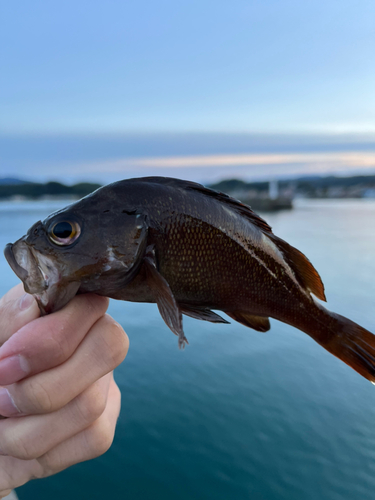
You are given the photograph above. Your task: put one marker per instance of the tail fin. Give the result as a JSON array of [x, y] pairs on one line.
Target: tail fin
[[349, 342]]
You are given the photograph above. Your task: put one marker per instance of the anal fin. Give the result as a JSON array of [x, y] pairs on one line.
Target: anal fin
[[201, 313], [164, 298], [258, 323]]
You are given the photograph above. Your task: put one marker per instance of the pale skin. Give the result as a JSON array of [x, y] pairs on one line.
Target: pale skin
[[58, 371]]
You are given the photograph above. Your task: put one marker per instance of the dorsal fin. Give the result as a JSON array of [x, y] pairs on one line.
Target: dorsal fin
[[239, 207], [236, 205], [305, 273]]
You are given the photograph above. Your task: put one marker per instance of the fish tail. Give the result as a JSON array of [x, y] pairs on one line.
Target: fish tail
[[347, 341]]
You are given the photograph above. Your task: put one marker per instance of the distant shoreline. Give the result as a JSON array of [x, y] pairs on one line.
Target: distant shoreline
[[54, 190], [359, 186], [307, 187]]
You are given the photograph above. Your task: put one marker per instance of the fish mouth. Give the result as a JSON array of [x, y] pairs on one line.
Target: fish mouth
[[40, 276], [16, 268], [24, 264]]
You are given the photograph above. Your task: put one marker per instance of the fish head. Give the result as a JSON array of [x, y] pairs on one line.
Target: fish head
[[83, 248]]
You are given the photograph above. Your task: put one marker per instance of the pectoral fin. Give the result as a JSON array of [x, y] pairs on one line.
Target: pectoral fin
[[203, 314], [164, 298], [259, 323]]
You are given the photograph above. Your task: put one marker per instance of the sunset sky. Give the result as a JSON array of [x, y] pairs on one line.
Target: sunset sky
[[99, 75]]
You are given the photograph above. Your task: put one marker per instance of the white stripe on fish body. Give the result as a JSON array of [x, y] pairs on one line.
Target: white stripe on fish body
[[256, 237], [279, 258]]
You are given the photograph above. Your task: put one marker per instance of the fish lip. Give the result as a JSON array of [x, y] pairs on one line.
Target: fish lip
[[16, 268], [32, 277]]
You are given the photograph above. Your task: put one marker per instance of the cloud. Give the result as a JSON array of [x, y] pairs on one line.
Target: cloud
[[211, 168], [351, 159], [322, 162]]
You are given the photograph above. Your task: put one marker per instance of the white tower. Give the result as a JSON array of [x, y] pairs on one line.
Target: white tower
[[273, 190]]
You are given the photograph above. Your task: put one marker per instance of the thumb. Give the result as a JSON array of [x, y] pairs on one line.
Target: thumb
[[17, 308]]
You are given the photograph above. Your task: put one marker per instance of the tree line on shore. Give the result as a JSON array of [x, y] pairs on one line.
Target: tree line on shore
[[308, 186], [37, 190]]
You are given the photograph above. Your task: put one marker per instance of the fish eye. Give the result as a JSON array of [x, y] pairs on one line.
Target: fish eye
[[64, 232]]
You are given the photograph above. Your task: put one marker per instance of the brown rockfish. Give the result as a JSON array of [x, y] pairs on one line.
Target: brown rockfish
[[190, 250]]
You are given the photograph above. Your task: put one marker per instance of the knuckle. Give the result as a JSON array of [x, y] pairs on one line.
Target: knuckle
[[116, 392], [59, 349], [52, 462], [101, 437], [117, 343], [91, 404]]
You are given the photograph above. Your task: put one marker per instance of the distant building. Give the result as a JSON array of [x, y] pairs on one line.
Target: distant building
[[273, 191]]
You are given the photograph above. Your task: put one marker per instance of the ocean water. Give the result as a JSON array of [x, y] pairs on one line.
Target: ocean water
[[238, 414]]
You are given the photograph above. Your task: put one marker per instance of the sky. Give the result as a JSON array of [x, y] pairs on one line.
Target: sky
[[87, 88]]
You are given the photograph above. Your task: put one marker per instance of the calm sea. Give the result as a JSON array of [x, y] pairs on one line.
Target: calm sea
[[239, 414]]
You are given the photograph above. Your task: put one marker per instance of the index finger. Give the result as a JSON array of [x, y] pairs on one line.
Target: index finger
[[48, 341], [17, 308]]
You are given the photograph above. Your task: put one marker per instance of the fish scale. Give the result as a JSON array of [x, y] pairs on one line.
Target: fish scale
[[204, 253]]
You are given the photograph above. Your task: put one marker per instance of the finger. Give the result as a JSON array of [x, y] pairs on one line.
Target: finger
[[19, 437], [15, 472], [103, 348], [17, 308], [88, 444], [48, 341]]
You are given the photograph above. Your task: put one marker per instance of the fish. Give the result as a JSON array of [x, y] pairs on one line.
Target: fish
[[192, 251]]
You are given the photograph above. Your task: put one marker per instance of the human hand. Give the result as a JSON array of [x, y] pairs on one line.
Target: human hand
[[56, 385]]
